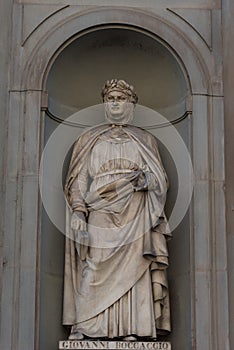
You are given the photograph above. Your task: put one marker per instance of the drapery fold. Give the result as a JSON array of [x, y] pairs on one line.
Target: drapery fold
[[127, 234]]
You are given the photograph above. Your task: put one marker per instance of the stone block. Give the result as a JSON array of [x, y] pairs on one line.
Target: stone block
[[113, 345]]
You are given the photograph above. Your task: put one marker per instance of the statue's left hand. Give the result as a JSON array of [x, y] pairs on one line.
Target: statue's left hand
[[146, 181], [141, 183]]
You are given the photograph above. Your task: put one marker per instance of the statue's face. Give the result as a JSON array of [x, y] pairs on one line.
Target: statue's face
[[116, 104]]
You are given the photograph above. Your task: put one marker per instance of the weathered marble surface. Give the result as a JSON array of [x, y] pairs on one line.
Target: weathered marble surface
[[116, 245]]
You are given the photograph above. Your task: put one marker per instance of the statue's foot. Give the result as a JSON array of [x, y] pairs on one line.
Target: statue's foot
[[76, 336], [130, 338]]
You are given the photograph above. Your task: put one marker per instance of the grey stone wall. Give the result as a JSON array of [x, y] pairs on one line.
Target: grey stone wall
[[5, 259], [228, 54], [33, 33]]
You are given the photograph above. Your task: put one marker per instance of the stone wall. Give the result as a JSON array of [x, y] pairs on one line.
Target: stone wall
[[33, 34], [228, 54]]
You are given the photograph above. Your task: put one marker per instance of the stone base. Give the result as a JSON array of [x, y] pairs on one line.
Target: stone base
[[115, 345]]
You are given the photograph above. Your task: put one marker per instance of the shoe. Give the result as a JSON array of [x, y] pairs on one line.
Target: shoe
[[130, 338], [76, 336]]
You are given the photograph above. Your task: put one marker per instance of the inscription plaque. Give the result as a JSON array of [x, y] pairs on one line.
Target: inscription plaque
[[88, 345]]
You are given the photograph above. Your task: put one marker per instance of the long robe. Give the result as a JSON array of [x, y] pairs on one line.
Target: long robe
[[120, 287]]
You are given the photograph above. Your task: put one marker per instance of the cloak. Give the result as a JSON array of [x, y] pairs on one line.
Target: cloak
[[136, 246]]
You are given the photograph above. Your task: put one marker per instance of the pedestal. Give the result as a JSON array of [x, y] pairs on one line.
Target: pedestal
[[115, 345]]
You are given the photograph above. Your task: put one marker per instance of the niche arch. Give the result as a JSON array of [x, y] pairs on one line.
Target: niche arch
[[40, 48], [73, 84]]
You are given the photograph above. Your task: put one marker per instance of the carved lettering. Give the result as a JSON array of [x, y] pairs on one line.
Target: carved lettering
[[113, 345]]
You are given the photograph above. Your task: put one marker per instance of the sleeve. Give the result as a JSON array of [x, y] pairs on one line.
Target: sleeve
[[78, 191]]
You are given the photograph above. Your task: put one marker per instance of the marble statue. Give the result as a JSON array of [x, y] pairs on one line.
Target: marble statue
[[115, 283]]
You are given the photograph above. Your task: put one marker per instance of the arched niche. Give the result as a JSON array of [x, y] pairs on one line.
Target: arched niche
[[73, 84], [208, 282]]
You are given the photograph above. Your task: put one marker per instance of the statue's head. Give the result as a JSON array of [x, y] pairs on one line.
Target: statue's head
[[119, 98], [120, 86]]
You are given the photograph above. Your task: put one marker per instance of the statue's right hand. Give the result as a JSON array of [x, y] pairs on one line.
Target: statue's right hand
[[78, 221], [79, 226]]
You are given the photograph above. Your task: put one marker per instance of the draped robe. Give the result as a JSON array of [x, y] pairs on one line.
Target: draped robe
[[120, 287]]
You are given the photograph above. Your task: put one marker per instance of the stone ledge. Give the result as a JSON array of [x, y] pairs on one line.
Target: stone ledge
[[121, 345]]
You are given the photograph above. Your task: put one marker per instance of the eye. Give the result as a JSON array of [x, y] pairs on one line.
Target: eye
[[110, 99], [123, 98]]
